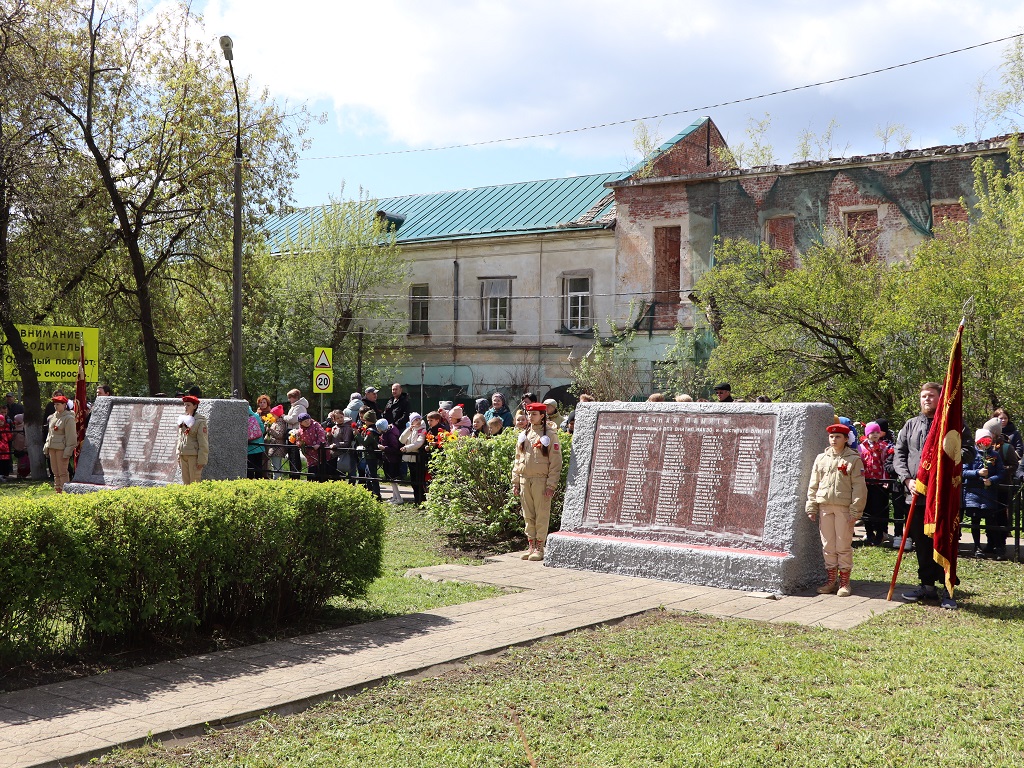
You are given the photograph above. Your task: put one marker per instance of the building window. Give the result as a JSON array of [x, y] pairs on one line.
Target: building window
[[667, 259], [576, 314], [419, 310], [780, 234], [862, 226], [496, 304]]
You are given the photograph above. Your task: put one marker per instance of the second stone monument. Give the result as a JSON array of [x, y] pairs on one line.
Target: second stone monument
[[704, 493]]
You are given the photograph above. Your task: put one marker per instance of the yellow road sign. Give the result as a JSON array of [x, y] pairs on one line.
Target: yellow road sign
[[55, 353], [322, 357], [323, 381]]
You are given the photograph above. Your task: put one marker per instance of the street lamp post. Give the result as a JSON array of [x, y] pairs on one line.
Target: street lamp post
[[237, 366]]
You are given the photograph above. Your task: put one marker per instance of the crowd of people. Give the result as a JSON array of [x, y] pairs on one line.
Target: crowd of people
[[374, 442], [865, 476]]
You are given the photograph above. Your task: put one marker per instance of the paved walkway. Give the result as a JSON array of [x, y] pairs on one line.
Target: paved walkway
[[66, 723]]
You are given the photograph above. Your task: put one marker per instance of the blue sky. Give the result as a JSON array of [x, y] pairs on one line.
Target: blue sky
[[397, 75]]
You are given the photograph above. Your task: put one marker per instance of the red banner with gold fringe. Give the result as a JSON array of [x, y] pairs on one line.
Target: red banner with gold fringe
[[939, 475]]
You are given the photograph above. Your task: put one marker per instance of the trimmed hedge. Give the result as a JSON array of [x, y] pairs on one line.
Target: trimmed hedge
[[82, 570], [471, 494]]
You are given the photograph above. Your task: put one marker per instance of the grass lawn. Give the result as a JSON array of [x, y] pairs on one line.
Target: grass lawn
[[917, 686], [412, 542]]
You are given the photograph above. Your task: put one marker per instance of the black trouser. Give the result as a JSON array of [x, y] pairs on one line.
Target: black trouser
[[371, 481], [255, 462], [928, 571], [294, 460], [418, 477], [899, 514], [876, 513]]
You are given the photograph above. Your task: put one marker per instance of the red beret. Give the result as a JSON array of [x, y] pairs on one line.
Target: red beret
[[838, 429], [190, 399], [536, 407], [59, 399]]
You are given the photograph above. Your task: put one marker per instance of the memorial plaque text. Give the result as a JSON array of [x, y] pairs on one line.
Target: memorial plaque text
[[680, 476]]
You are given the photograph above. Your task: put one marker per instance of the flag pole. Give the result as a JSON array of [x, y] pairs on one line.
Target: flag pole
[[903, 543]]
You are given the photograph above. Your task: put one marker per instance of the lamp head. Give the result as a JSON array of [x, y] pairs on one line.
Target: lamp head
[[227, 46]]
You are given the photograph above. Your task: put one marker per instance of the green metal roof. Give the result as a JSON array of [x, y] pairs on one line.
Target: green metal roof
[[577, 202]]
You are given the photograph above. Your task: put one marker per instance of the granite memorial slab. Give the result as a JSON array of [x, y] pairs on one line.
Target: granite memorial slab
[[703, 493], [131, 442]]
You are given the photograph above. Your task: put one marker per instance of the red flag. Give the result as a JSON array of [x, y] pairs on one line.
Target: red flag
[[80, 398], [938, 477]]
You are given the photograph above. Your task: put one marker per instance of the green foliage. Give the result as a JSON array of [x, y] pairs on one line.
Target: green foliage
[[84, 569], [609, 371], [471, 491], [683, 370], [802, 334], [755, 150]]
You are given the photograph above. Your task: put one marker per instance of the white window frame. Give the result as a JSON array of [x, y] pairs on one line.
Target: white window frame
[[582, 324], [495, 304], [419, 310]]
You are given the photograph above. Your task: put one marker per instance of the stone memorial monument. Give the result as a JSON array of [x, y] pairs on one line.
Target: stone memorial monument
[[131, 441], [704, 493]]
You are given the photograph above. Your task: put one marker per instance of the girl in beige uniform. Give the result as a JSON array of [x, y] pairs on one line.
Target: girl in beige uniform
[[836, 497], [193, 441], [536, 471], [61, 441]]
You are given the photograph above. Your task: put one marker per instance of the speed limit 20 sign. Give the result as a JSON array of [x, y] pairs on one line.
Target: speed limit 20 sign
[[323, 381]]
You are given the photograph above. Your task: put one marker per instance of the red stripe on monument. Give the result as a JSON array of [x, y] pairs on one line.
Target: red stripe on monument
[[676, 545]]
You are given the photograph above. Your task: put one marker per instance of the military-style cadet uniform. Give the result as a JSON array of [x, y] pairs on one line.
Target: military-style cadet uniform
[[536, 468], [193, 447], [836, 497], [61, 441]]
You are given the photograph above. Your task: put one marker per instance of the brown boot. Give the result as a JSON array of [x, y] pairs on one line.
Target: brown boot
[[538, 552], [830, 586], [844, 584], [528, 553]]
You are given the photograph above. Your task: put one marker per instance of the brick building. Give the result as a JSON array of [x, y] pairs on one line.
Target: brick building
[[509, 282]]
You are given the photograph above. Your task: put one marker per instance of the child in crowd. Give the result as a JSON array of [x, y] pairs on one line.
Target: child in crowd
[[277, 435], [495, 425], [521, 422], [366, 439], [479, 426], [461, 425], [981, 496], [836, 497], [874, 451]]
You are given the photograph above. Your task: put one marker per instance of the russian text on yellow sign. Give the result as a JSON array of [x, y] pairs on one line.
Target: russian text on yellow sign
[[54, 351], [323, 381], [323, 357]]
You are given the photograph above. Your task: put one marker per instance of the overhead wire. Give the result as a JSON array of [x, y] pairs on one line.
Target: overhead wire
[[689, 110]]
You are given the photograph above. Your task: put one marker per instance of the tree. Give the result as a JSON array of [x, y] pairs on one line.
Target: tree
[[609, 371], [819, 146], [48, 208], [755, 150], [800, 334], [154, 112], [646, 141], [344, 268]]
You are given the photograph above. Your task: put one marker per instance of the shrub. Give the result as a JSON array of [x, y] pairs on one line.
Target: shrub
[[471, 493], [82, 570]]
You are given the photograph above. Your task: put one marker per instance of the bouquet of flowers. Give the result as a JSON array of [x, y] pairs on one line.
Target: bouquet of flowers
[[293, 436], [269, 418]]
